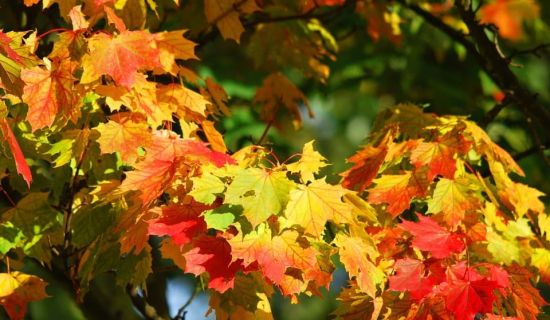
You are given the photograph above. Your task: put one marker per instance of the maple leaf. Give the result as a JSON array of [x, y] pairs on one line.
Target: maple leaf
[[430, 236], [309, 164], [170, 250], [114, 19], [72, 145], [258, 247], [276, 92], [467, 298], [206, 187], [357, 256], [311, 206], [509, 15], [247, 300], [260, 192], [17, 290], [20, 162], [354, 304], [276, 255], [172, 45], [517, 196], [120, 56], [453, 199], [218, 95], [483, 145], [439, 155], [398, 190], [78, 20], [302, 46], [150, 177], [225, 14], [124, 133], [527, 300], [182, 100], [409, 276], [163, 157], [156, 171], [213, 136], [49, 92], [182, 222], [541, 260], [5, 41], [213, 255], [142, 98], [367, 162], [380, 21]]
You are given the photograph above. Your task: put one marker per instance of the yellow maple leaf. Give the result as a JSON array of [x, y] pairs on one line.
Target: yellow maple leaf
[[541, 260], [311, 206], [124, 134], [453, 198], [309, 164], [172, 45], [213, 136], [357, 255]]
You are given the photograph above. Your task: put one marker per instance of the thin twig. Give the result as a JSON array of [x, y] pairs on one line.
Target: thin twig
[[493, 113], [538, 143], [181, 311], [534, 149], [7, 196], [67, 217], [534, 51], [266, 130]]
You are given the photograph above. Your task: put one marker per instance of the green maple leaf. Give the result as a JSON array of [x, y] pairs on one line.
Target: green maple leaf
[[260, 192]]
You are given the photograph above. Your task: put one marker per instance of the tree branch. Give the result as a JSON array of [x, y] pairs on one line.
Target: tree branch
[[493, 113], [497, 67], [142, 305], [452, 33], [488, 56], [534, 149]]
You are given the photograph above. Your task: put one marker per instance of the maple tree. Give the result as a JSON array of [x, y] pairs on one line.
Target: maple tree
[[115, 164]]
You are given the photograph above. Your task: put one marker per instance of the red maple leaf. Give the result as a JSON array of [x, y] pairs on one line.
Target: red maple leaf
[[213, 255], [181, 222], [430, 236], [467, 298], [20, 162], [409, 276]]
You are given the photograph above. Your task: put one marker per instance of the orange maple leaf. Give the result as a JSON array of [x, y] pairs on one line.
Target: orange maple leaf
[[49, 93], [120, 56]]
